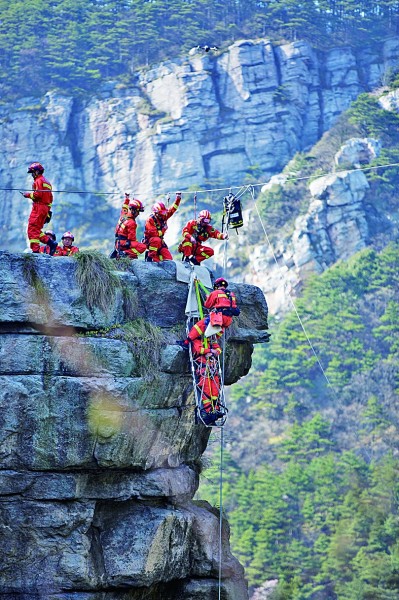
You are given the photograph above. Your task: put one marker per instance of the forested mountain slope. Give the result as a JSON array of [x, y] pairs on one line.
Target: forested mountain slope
[[311, 478], [75, 44]]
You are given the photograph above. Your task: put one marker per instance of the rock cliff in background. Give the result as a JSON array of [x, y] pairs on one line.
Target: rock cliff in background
[[99, 451], [339, 218], [197, 122]]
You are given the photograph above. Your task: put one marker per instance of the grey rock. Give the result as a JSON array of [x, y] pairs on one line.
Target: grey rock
[[358, 151], [99, 449]]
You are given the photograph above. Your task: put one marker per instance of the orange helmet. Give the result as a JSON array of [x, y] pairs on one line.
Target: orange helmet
[[220, 282], [160, 209], [136, 205], [36, 166], [204, 216], [68, 234]]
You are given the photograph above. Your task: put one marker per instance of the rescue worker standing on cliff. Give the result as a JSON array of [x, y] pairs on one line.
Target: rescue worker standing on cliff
[[126, 243], [40, 214], [194, 234], [155, 228]]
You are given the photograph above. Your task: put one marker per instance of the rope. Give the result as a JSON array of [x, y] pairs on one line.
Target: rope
[[225, 228], [330, 386], [223, 189], [220, 512]]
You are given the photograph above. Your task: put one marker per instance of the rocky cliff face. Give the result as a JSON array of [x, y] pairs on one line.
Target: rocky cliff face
[[99, 451], [200, 121]]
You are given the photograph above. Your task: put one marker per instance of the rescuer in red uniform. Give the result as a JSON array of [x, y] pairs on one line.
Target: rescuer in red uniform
[[207, 378], [155, 228], [123, 213], [67, 248], [46, 249], [40, 214], [126, 243], [195, 233], [221, 301]]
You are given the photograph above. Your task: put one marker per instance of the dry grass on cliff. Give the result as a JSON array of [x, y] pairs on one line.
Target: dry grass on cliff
[[40, 292], [97, 279], [146, 341]]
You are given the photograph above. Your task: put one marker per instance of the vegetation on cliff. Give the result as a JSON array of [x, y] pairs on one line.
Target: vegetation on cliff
[[317, 505], [76, 44]]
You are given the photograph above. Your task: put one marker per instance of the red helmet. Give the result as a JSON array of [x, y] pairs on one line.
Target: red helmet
[[51, 233], [136, 205], [220, 282], [35, 167], [160, 209], [68, 234], [204, 216]]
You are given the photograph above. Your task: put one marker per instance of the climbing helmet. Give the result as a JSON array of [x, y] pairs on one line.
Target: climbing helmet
[[204, 216], [36, 166], [136, 205], [51, 233], [160, 209], [220, 282]]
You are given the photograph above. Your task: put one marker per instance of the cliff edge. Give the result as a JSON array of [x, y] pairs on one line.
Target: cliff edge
[[99, 450]]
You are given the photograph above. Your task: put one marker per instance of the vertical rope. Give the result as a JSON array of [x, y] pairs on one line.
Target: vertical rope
[[220, 511], [225, 228], [195, 205]]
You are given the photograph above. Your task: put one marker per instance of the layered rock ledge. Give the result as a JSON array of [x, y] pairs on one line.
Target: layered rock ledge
[[99, 450]]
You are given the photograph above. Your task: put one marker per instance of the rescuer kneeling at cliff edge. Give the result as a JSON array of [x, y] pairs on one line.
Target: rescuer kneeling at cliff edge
[[126, 243], [67, 247], [196, 232], [40, 214], [155, 228]]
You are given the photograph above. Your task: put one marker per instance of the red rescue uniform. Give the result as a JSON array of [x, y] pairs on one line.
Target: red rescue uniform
[[42, 201], [126, 239], [66, 250], [194, 234], [207, 373], [123, 214], [45, 249], [220, 300], [155, 228]]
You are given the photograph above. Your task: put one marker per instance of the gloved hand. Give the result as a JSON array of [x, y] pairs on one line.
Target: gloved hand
[[178, 194], [26, 194], [225, 236], [192, 239], [215, 352]]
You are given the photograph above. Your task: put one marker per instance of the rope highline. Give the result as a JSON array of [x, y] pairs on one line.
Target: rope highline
[[243, 186]]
